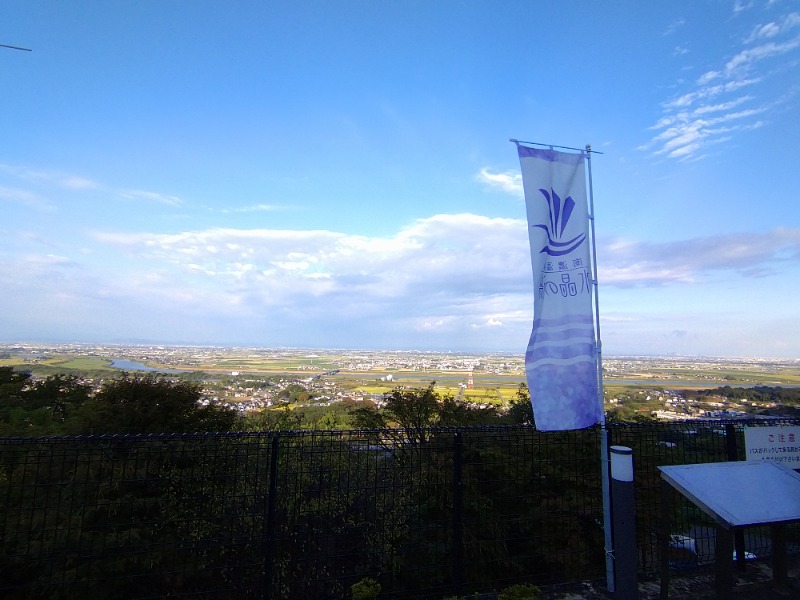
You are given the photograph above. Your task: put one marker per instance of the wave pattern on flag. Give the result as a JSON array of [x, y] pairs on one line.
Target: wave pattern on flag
[[561, 359]]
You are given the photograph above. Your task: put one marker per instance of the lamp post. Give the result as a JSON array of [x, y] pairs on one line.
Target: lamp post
[[624, 517]]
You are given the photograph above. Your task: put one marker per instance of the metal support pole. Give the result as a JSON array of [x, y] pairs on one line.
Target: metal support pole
[[604, 456], [624, 511], [458, 528], [663, 535], [605, 483], [269, 534], [738, 533]]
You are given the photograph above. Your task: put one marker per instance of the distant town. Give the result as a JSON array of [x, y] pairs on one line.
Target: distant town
[[252, 379]]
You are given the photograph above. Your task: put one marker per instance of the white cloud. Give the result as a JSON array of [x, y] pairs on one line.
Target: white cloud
[[44, 176], [689, 261], [746, 59], [427, 268], [773, 29], [723, 106], [254, 208], [507, 181], [78, 183], [708, 77], [674, 26], [150, 197], [450, 280], [692, 131], [424, 271], [52, 182], [685, 133], [26, 198]]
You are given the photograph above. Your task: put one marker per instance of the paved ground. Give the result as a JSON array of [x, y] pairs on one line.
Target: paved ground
[[754, 584]]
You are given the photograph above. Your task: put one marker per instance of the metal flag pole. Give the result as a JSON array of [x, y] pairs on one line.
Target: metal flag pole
[[15, 47], [587, 150], [604, 459]]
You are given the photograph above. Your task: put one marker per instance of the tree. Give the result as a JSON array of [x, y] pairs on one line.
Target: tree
[[295, 393], [417, 409], [274, 419], [412, 408], [149, 404], [61, 393], [521, 412], [12, 384], [31, 408]]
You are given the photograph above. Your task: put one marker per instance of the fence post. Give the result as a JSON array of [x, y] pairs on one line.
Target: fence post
[[738, 535], [730, 442], [458, 530], [269, 533]]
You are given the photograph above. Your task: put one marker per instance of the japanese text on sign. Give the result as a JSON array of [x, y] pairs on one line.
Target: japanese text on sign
[[780, 444]]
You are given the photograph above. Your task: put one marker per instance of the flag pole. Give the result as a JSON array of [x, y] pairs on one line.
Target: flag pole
[[604, 459], [588, 148]]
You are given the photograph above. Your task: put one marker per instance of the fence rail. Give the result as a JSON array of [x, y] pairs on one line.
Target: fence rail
[[428, 513]]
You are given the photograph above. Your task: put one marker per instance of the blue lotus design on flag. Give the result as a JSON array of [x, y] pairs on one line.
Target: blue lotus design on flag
[[560, 212]]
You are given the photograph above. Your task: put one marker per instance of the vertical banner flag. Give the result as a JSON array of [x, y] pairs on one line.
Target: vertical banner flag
[[561, 360]]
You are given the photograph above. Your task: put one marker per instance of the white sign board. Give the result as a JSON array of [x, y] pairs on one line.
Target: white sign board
[[781, 444]]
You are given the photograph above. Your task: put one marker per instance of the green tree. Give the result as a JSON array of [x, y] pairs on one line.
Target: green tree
[[521, 412], [149, 403], [31, 408], [415, 409], [12, 384], [274, 419], [295, 393], [61, 393]]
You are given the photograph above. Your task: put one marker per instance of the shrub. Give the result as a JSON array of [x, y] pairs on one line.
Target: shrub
[[520, 591], [366, 589]]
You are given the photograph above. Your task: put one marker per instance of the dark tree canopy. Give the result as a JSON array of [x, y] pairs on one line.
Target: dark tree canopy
[[147, 403], [521, 412], [150, 404], [32, 408], [418, 408]]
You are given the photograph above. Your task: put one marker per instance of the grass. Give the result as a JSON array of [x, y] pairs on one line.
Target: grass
[[85, 363]]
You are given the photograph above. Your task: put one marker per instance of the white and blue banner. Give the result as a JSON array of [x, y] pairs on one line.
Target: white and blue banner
[[561, 359]]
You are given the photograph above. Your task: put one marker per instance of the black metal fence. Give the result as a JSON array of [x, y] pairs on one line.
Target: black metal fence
[[428, 513]]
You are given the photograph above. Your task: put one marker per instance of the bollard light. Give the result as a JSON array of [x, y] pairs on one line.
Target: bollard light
[[621, 463], [623, 517]]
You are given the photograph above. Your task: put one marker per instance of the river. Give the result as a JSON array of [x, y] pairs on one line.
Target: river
[[132, 365]]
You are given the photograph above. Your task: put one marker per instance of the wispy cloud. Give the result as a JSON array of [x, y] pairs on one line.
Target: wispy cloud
[[144, 196], [506, 181], [686, 131], [26, 198], [674, 26], [54, 178], [773, 29], [49, 182], [693, 260], [254, 208]]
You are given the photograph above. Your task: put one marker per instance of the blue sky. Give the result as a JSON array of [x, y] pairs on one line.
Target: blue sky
[[338, 174]]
